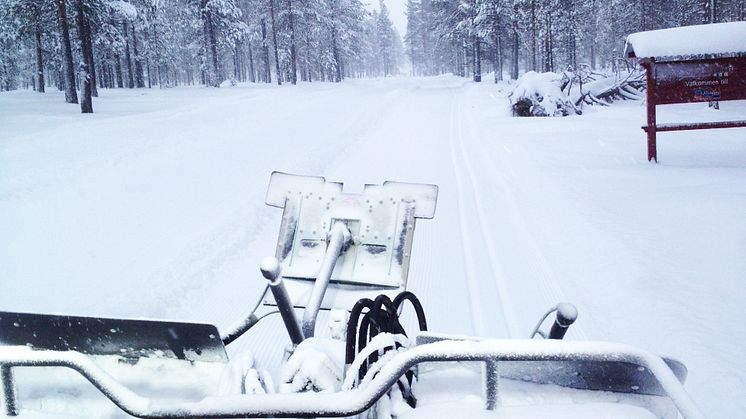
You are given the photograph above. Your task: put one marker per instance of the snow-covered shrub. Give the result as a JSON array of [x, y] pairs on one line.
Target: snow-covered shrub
[[231, 82], [541, 94]]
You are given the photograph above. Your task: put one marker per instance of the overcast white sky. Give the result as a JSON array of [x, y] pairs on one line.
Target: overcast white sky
[[396, 11]]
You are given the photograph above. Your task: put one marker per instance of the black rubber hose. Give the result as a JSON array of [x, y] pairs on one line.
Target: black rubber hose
[[383, 315], [407, 295], [384, 302], [250, 321], [352, 327], [367, 327]]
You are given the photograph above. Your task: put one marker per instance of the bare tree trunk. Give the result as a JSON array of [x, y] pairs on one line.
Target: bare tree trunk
[[86, 103], [157, 55], [6, 86], [593, 39], [118, 70], [548, 47], [236, 63], [572, 43], [214, 52], [252, 75], [293, 70], [71, 95], [128, 57], [459, 62], [265, 48], [514, 55], [105, 81], [713, 11], [498, 53], [464, 52], [497, 50], [101, 81], [274, 39], [477, 60], [39, 61], [533, 35], [335, 54], [307, 61], [89, 55], [210, 44], [147, 68], [139, 79]]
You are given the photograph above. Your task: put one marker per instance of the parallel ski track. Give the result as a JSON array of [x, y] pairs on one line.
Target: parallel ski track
[[473, 283], [537, 269]]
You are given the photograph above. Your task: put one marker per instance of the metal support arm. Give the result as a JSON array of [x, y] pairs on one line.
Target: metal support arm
[[270, 268], [339, 237], [9, 390]]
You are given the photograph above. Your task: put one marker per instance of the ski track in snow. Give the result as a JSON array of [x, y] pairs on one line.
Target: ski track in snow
[[470, 275], [518, 244], [154, 207]]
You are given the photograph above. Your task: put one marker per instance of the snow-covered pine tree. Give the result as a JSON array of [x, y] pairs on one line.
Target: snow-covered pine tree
[[142, 43], [389, 43]]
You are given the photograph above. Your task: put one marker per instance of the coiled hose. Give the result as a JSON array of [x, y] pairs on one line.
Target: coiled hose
[[382, 316]]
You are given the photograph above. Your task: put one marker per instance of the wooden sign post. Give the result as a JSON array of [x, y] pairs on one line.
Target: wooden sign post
[[701, 80], [686, 64]]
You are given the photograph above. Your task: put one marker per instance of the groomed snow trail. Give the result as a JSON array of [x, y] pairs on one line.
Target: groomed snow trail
[[154, 207]]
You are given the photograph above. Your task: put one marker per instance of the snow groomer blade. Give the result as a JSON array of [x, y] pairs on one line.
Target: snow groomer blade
[[130, 339]]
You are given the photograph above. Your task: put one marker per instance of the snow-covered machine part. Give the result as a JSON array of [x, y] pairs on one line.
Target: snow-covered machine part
[[610, 375], [271, 269], [566, 316], [333, 248], [125, 338], [380, 221], [350, 402]]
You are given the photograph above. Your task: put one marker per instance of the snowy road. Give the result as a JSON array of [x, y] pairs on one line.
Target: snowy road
[[154, 207]]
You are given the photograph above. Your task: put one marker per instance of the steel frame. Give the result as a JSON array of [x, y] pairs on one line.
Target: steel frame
[[350, 402]]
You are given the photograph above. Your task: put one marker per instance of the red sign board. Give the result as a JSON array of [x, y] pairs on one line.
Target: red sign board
[[685, 81], [700, 80]]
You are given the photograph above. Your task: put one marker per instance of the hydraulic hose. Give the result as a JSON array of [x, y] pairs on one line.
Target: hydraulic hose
[[407, 295], [243, 325], [352, 322]]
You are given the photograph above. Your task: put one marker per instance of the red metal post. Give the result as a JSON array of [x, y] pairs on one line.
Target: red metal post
[[651, 128]]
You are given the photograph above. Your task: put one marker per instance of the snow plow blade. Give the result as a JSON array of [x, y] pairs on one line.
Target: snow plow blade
[[612, 375], [130, 339]]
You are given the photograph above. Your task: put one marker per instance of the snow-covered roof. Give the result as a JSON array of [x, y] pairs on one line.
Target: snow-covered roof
[[689, 42]]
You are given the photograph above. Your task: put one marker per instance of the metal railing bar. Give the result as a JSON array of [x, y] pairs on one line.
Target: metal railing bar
[[351, 402]]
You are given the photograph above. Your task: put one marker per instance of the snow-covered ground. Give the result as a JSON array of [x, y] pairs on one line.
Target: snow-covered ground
[[154, 207]]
